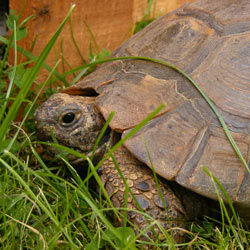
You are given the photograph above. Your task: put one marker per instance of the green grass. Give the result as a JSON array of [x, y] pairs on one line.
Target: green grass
[[47, 205]]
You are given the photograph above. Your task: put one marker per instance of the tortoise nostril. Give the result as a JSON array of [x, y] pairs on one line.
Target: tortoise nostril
[[68, 118]]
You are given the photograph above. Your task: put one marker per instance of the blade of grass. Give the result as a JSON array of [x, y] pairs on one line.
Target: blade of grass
[[3, 108], [170, 239], [104, 192], [74, 40], [33, 43], [216, 183], [69, 66], [104, 128], [127, 189], [61, 55], [92, 36], [22, 24], [223, 190], [81, 73]]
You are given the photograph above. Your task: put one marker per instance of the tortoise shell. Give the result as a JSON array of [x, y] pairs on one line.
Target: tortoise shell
[[210, 41]]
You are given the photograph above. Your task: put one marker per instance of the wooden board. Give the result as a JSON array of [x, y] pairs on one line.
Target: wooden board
[[111, 22]]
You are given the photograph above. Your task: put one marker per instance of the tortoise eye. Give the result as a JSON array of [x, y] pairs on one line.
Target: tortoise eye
[[68, 118]]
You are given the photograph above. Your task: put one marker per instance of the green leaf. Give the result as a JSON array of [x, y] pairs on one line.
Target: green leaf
[[142, 24], [127, 237], [99, 56], [4, 144], [103, 54], [21, 33], [94, 244], [10, 20], [25, 21], [19, 75], [91, 54]]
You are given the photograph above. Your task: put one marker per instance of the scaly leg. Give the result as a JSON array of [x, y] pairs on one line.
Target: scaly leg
[[141, 181]]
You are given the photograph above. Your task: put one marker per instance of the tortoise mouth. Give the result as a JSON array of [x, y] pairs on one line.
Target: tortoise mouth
[[107, 140]]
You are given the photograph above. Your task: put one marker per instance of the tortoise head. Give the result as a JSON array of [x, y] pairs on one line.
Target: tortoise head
[[75, 122]]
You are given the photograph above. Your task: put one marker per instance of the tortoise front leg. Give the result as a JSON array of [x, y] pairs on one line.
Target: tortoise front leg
[[141, 182]]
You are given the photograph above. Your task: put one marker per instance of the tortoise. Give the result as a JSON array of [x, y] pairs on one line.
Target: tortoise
[[210, 41]]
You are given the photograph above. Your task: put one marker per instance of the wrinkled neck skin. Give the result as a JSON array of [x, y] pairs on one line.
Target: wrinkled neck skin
[[76, 123]]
